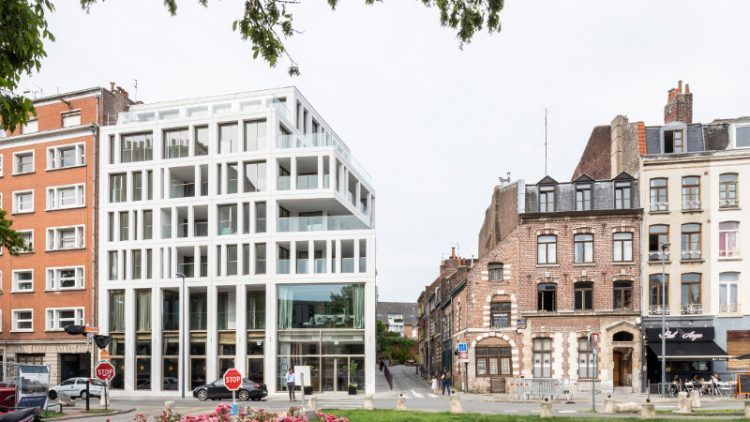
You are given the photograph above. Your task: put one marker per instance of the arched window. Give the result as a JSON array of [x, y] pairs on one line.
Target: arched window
[[728, 191], [655, 294], [658, 199], [690, 288], [691, 241], [622, 336], [546, 297], [495, 270], [493, 358], [585, 359], [584, 295], [623, 294], [658, 235], [691, 193], [500, 312], [729, 239]]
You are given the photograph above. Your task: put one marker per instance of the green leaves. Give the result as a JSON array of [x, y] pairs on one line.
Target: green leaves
[[9, 239]]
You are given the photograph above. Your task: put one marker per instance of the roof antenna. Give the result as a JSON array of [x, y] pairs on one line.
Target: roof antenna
[[136, 89], [504, 180], [545, 141]]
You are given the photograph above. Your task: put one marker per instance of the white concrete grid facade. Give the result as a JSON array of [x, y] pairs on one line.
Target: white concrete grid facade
[[247, 195]]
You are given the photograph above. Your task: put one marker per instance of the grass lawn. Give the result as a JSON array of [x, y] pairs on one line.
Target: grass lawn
[[708, 412], [51, 414], [410, 416], [99, 411]]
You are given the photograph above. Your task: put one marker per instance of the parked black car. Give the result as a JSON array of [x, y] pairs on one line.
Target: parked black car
[[249, 390]]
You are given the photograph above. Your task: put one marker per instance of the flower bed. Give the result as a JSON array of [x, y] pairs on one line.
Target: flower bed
[[222, 413]]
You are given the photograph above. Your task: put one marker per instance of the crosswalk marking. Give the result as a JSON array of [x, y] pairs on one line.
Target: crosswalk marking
[[432, 396], [417, 395], [568, 411]]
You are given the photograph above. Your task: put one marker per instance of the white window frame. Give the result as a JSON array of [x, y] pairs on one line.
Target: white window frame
[[53, 156], [71, 113], [53, 197], [25, 128], [1, 158], [733, 135], [15, 162], [54, 239], [14, 321], [52, 318], [14, 281], [53, 278], [15, 201], [32, 239]]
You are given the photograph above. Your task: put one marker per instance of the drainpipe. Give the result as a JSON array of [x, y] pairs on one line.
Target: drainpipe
[[94, 225]]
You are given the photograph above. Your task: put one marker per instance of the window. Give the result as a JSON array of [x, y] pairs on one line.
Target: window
[[728, 292], [28, 238], [23, 202], [260, 217], [691, 241], [113, 266], [742, 137], [673, 142], [546, 199], [136, 147], [584, 248], [583, 292], [690, 288], [118, 187], [495, 271], [62, 238], [232, 177], [655, 293], [66, 156], [64, 278], [542, 350], [176, 143], [583, 197], [691, 193], [622, 195], [728, 191], [500, 313], [658, 235], [71, 118], [585, 359], [546, 252], [623, 294], [23, 320], [58, 319], [296, 300], [546, 297], [148, 224], [62, 197], [32, 126], [255, 177], [659, 196], [493, 361], [23, 281], [137, 194], [260, 258], [729, 239], [622, 247], [201, 140], [227, 219], [255, 135], [228, 138], [23, 162]]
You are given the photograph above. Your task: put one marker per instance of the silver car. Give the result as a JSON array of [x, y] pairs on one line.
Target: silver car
[[76, 387]]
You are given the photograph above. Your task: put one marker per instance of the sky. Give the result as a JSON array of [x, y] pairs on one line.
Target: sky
[[435, 125]]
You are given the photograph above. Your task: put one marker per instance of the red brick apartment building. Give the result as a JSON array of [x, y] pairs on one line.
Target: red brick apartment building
[[47, 186]]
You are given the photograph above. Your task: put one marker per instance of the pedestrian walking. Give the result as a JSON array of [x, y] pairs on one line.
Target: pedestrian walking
[[291, 380], [381, 363], [447, 382], [435, 385]]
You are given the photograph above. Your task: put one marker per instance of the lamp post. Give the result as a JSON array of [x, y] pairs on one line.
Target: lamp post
[[663, 319], [182, 334]]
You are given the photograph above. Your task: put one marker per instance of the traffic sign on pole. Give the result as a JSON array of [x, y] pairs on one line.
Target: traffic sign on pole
[[232, 379], [104, 371]]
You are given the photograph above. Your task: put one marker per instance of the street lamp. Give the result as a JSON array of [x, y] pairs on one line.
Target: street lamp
[[663, 320], [182, 334]]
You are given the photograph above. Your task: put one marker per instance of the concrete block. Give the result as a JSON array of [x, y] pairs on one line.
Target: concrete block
[[401, 402], [455, 405], [630, 407], [66, 400], [312, 403], [747, 409], [695, 400], [648, 411], [683, 403], [545, 410], [609, 406], [368, 404]]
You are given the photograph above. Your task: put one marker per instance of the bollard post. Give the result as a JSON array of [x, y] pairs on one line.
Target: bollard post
[[747, 409], [695, 399], [648, 411], [368, 404], [609, 405], [455, 405], [401, 402], [683, 404]]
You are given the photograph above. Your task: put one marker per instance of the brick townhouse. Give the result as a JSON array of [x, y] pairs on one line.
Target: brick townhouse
[[47, 185]]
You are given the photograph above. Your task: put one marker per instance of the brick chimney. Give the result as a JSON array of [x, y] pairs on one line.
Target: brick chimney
[[679, 106]]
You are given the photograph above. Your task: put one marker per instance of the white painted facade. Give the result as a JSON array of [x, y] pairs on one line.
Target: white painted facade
[[207, 223]]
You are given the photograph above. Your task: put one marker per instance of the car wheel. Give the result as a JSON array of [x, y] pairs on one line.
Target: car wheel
[[83, 395], [202, 395], [244, 395]]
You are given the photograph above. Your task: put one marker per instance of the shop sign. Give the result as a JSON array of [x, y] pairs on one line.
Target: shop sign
[[683, 335]]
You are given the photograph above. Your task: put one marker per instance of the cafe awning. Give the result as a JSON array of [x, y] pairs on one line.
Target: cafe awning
[[699, 350]]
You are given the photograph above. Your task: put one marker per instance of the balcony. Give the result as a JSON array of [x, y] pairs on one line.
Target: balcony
[[659, 207], [186, 268], [320, 265], [182, 229], [691, 255], [282, 266], [691, 205], [320, 223], [729, 308], [308, 140], [691, 309], [182, 190], [658, 310], [302, 266], [283, 183], [363, 264], [307, 181], [655, 256], [200, 228], [347, 265]]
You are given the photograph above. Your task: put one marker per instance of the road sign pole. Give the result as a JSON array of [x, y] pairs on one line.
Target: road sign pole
[[302, 383], [106, 399]]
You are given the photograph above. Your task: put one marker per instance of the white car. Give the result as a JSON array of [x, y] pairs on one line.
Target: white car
[[76, 387]]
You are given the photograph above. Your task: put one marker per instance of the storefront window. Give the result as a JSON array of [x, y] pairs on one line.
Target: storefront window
[[320, 306]]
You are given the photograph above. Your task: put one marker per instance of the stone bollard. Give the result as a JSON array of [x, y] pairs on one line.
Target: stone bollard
[[545, 410], [401, 402], [695, 400], [747, 409], [169, 405], [648, 411], [456, 405], [683, 404], [368, 404], [103, 400], [312, 403], [609, 405]]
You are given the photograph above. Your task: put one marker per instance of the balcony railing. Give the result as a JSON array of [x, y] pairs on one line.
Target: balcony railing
[[200, 228], [186, 268], [320, 223], [347, 265], [283, 183], [691, 205], [729, 308], [320, 265], [659, 206], [691, 255], [691, 309], [170, 321], [282, 266], [307, 181], [182, 229], [182, 190], [308, 140], [362, 264], [166, 231], [302, 266], [657, 256], [658, 310]]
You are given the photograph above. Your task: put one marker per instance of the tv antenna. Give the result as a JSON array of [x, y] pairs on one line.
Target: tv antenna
[[504, 180], [136, 89], [546, 111]]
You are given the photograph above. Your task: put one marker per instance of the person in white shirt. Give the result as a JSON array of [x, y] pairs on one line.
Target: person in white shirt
[[291, 379]]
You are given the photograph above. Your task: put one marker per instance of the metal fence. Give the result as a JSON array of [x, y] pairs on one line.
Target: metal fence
[[542, 388], [388, 376]]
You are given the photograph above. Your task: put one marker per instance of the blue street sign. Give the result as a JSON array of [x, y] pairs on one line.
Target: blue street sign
[[462, 347]]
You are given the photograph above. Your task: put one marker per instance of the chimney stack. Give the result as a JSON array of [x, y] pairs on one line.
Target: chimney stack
[[679, 106]]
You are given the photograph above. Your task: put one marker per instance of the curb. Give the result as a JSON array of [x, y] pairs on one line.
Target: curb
[[70, 418]]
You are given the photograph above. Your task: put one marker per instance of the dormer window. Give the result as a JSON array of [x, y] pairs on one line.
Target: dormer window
[[546, 198], [742, 137], [674, 142], [583, 197], [623, 196]]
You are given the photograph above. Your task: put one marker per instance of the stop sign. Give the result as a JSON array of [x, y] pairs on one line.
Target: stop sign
[[104, 371], [232, 379]]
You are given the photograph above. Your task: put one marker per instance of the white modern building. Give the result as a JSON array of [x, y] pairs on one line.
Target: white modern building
[[253, 204]]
